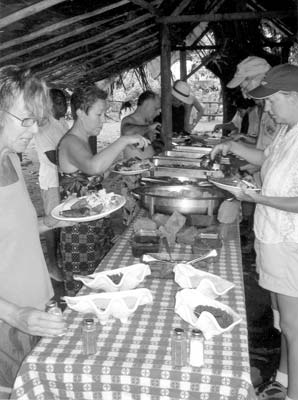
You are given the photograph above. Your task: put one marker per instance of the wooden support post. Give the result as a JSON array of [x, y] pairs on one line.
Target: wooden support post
[[166, 87], [183, 66]]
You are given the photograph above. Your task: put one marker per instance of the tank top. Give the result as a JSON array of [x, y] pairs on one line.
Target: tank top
[[24, 278]]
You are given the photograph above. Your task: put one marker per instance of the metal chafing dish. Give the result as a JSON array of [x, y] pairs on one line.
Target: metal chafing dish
[[182, 167], [186, 199], [186, 153]]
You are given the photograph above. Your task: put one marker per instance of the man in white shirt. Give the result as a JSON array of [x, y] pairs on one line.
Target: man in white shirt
[[46, 141]]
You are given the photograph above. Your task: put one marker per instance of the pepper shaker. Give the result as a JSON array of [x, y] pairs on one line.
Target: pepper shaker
[[89, 336], [179, 347], [52, 308]]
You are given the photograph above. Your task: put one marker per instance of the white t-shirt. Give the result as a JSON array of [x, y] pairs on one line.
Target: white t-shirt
[[47, 139], [280, 179]]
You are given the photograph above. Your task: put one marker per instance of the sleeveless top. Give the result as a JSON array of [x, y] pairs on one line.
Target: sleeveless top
[[24, 278], [77, 182]]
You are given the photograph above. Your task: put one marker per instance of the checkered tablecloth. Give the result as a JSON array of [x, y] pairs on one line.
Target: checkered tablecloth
[[133, 360]]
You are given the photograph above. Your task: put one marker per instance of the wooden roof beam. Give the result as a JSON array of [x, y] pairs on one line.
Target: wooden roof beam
[[28, 11], [92, 52], [104, 54], [85, 42], [59, 38], [126, 55], [181, 7], [146, 6], [181, 19], [59, 25], [129, 65]]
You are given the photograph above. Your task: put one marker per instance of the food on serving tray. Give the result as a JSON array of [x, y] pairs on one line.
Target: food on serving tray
[[92, 204], [223, 318], [116, 278], [133, 164]]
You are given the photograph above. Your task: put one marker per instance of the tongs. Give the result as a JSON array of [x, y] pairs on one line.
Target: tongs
[[149, 258]]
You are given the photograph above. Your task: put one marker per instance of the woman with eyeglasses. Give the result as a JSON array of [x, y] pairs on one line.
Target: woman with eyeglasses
[[84, 245], [25, 286]]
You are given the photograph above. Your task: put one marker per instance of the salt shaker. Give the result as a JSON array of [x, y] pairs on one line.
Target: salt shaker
[[89, 336], [52, 308], [196, 348], [179, 347]]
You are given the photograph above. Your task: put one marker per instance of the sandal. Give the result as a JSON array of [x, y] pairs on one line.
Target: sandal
[[271, 391]]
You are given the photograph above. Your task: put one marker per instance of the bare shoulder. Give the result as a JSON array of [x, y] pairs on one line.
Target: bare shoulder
[[129, 119]]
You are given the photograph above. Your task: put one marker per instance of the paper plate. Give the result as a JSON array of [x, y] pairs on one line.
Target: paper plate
[[119, 203], [231, 187]]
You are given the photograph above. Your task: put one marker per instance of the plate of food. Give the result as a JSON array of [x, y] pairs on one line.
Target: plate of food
[[132, 166], [234, 185], [88, 208]]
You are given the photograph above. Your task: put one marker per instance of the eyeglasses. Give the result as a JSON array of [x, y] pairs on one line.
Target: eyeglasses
[[27, 122]]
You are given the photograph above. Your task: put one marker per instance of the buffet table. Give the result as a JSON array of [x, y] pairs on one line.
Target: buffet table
[[133, 360]]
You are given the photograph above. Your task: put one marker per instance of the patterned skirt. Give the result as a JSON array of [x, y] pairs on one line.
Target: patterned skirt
[[82, 247]]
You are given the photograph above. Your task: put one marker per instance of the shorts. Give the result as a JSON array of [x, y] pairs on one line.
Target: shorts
[[14, 347], [278, 267]]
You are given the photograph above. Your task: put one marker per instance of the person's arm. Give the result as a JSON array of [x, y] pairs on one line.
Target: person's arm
[[250, 154], [200, 112], [289, 204], [97, 164], [30, 320], [128, 127], [225, 126]]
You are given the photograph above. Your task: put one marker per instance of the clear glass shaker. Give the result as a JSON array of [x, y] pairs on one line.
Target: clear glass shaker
[[179, 347], [196, 348], [89, 336], [52, 308]]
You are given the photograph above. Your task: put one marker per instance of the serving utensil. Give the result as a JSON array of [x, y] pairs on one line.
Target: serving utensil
[[147, 258]]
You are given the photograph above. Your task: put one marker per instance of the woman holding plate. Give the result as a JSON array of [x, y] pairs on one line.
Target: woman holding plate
[[276, 219], [83, 246]]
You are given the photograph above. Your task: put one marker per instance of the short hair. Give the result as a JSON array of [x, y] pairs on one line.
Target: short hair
[[147, 95], [59, 102], [14, 81], [84, 97]]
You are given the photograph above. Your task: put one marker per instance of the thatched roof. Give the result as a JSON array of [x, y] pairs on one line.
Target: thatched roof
[[70, 40]]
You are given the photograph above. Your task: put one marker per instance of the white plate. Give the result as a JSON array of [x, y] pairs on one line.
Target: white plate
[[56, 211], [235, 190]]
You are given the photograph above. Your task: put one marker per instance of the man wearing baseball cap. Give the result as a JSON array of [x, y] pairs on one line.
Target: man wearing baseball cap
[[249, 74], [276, 218]]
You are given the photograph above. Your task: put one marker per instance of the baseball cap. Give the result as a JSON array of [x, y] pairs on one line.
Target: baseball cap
[[181, 91], [247, 68], [283, 77]]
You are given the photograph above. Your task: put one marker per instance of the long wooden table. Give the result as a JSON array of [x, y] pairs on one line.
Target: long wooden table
[[133, 360]]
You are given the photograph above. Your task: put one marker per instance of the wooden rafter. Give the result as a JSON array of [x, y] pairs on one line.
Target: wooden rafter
[[146, 6], [181, 19], [120, 41], [81, 43], [178, 10], [59, 25], [106, 53], [59, 38], [132, 63], [27, 11], [126, 55]]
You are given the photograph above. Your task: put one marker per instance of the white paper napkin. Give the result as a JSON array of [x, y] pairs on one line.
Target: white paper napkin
[[208, 284], [186, 302], [129, 278], [106, 305]]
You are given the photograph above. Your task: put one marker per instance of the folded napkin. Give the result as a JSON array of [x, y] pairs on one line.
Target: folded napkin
[[119, 279], [190, 300], [208, 284], [107, 305]]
